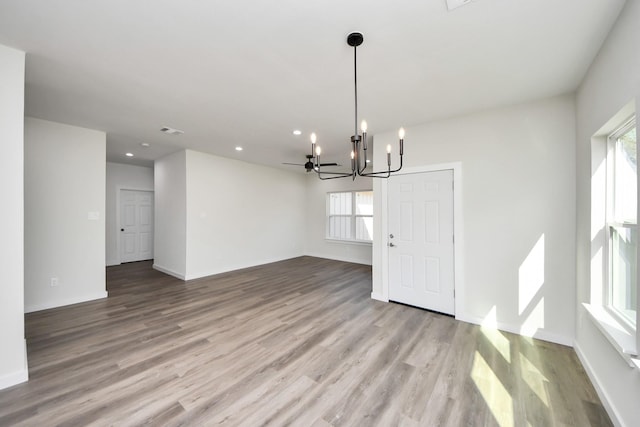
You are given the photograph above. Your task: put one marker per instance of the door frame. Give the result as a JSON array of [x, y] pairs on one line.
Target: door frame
[[381, 243], [119, 213]]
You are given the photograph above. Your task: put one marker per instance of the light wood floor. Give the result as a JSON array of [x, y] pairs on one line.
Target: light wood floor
[[297, 342]]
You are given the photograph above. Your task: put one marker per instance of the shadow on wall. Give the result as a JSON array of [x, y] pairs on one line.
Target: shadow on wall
[[531, 290]]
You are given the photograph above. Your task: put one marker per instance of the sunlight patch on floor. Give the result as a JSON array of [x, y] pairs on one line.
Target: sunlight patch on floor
[[494, 393], [534, 379], [499, 342]]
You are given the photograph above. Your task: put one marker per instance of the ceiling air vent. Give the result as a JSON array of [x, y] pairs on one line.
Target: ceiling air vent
[[172, 131]]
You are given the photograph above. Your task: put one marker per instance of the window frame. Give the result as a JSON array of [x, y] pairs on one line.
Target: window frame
[[612, 223], [353, 218]]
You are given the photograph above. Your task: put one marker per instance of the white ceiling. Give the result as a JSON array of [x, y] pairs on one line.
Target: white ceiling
[[248, 72]]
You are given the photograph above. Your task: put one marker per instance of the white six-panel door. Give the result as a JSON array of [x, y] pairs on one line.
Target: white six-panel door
[[421, 253], [136, 225]]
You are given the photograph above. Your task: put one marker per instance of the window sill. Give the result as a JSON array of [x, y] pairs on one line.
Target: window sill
[[622, 340], [348, 242]]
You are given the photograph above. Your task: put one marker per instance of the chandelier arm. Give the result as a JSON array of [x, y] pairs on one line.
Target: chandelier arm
[[359, 151], [337, 175], [361, 170], [386, 174], [317, 170], [396, 170], [333, 173], [381, 174], [355, 149], [364, 167]]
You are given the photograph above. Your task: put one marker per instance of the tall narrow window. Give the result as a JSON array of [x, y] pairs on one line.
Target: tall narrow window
[[621, 292], [350, 216]]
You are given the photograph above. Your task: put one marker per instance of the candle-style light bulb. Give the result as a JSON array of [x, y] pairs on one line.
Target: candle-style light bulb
[[389, 155], [313, 143], [353, 161], [318, 151], [401, 133], [363, 127]]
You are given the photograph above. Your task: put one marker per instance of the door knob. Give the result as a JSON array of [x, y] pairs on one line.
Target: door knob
[[391, 245], [122, 229]]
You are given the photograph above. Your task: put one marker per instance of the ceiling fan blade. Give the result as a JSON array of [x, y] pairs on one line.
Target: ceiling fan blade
[[294, 164]]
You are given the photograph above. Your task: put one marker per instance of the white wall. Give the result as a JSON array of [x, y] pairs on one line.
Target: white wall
[[13, 356], [121, 177], [240, 214], [612, 81], [64, 188], [315, 203], [518, 209], [170, 221]]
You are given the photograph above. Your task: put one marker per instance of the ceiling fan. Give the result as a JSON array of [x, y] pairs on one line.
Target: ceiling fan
[[309, 164]]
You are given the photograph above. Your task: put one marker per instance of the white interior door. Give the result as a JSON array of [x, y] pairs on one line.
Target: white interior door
[[136, 225], [421, 256]]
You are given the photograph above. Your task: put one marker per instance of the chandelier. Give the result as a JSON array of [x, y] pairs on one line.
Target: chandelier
[[359, 161]]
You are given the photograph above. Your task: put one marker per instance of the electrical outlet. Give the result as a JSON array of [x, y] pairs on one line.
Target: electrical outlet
[[54, 281]]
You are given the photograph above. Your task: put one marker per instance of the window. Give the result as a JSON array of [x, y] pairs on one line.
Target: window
[[622, 206], [350, 216]]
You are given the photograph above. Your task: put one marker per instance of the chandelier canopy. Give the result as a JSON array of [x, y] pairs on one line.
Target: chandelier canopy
[[359, 160]]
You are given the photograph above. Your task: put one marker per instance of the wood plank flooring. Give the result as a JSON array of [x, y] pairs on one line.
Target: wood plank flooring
[[298, 342]]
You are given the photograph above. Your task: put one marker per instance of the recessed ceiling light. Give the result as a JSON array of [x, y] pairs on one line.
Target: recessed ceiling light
[[238, 148], [129, 154], [171, 131], [144, 144], [297, 132]]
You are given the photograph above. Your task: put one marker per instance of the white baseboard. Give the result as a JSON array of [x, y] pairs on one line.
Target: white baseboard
[[226, 269], [337, 258], [378, 297], [18, 377], [65, 301], [516, 329], [230, 268], [604, 397], [169, 272]]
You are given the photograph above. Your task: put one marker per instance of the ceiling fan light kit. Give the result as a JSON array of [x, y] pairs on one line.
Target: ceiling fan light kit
[[359, 159]]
